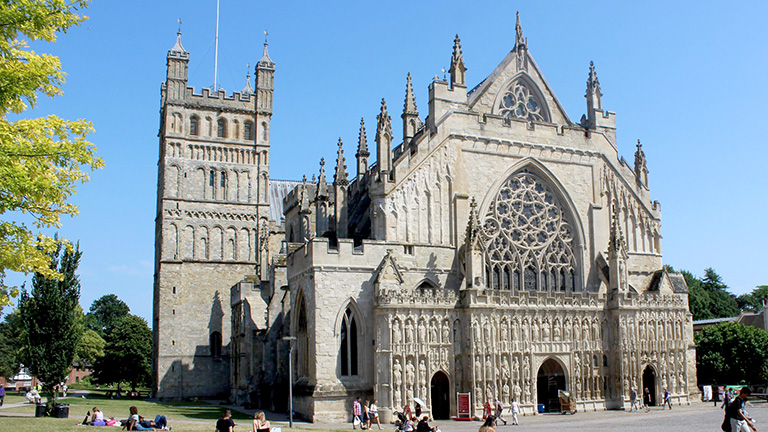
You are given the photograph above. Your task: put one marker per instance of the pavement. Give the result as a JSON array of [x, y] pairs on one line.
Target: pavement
[[695, 417]]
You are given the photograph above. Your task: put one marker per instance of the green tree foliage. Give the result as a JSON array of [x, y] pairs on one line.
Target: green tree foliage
[[52, 320], [127, 355], [41, 159], [90, 347], [709, 297], [105, 312], [732, 353], [11, 340], [753, 301]]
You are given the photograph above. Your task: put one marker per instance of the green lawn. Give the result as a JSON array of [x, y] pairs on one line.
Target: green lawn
[[182, 416]]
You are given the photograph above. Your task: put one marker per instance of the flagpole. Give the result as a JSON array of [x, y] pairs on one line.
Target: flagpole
[[216, 53]]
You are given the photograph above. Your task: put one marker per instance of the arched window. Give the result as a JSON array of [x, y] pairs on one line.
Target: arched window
[[526, 228], [248, 131], [215, 344], [223, 185], [348, 349], [221, 128], [194, 126]]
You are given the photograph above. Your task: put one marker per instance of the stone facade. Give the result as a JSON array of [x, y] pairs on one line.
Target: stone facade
[[499, 249]]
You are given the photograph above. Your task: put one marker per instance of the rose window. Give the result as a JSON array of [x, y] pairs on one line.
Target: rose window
[[520, 102], [529, 238]]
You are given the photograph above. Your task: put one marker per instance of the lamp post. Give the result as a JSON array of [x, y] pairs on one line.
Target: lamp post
[[290, 340]]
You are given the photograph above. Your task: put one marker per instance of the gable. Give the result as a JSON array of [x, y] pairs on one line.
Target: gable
[[515, 88]]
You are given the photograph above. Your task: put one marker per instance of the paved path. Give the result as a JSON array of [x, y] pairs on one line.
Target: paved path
[[696, 417]]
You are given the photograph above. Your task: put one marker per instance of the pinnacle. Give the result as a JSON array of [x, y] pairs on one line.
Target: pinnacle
[[362, 140], [340, 178], [519, 39], [410, 101]]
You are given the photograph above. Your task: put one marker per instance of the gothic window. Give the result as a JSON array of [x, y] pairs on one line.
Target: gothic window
[[215, 344], [521, 101], [248, 131], [348, 350], [223, 185], [527, 229], [302, 341], [212, 183], [194, 125], [221, 128]]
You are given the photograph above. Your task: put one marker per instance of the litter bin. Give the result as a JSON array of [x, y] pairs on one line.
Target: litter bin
[[40, 410], [542, 408], [61, 411]]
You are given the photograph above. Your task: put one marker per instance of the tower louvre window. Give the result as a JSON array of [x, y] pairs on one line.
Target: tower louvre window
[[194, 126], [248, 131]]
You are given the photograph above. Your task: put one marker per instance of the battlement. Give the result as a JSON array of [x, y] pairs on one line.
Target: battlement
[[206, 98]]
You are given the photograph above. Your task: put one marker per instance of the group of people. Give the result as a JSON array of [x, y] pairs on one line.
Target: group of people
[[134, 421], [634, 404], [496, 411], [226, 424], [364, 414]]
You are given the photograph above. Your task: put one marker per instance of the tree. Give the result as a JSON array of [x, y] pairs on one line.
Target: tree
[[105, 312], [127, 355], [90, 347], [41, 159], [709, 297], [52, 321], [753, 301], [732, 353], [11, 339]]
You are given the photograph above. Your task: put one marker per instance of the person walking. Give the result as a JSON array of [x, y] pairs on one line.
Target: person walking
[[373, 411], [633, 405], [647, 399], [500, 412], [357, 413], [2, 395], [736, 413], [667, 400], [514, 408]]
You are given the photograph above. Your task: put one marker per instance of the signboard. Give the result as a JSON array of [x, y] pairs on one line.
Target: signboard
[[463, 406]]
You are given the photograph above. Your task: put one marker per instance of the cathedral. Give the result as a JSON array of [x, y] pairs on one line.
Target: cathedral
[[497, 249]]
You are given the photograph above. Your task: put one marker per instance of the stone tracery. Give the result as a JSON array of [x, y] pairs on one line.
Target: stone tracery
[[529, 237]]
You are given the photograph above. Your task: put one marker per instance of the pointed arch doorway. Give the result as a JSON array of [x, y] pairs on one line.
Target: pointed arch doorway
[[549, 380], [649, 382], [440, 392]]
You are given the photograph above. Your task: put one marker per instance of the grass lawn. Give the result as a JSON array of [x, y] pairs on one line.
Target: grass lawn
[[182, 416]]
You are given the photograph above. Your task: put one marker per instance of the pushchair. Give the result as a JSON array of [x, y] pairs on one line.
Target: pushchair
[[400, 422]]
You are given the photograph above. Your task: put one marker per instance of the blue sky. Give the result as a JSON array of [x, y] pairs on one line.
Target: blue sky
[[688, 78]]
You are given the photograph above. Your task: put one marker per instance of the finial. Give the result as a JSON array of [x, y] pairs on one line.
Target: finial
[[456, 47], [304, 179], [457, 68], [179, 32], [383, 106], [519, 39], [639, 146], [322, 163], [266, 35], [177, 47], [265, 60]]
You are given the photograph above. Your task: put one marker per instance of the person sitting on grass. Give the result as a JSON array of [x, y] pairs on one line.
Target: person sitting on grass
[[137, 422], [260, 423], [97, 419], [225, 423]]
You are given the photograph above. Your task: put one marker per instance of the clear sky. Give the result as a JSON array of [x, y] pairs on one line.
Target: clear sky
[[688, 78]]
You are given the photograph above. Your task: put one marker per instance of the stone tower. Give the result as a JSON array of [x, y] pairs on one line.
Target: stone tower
[[212, 204]]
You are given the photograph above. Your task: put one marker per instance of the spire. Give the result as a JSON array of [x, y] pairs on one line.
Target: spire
[[340, 177], [322, 185], [362, 151], [178, 49], [641, 167], [384, 142], [457, 64], [520, 41], [247, 89], [265, 60]]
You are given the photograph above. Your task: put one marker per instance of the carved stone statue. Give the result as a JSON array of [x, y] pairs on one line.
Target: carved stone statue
[[409, 332], [396, 337]]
